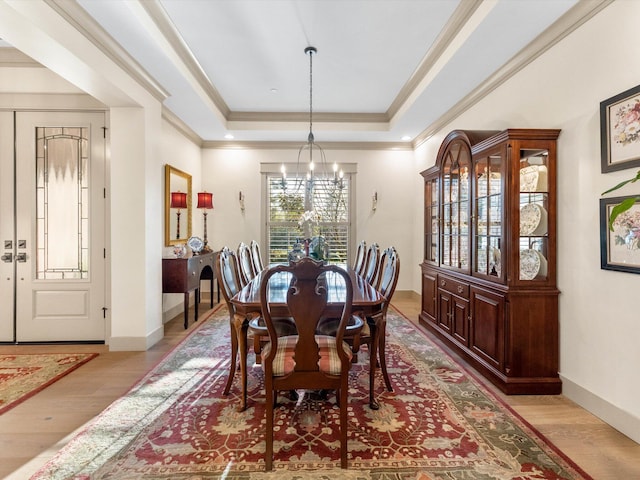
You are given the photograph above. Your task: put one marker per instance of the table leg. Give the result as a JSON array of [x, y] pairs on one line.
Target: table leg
[[211, 295], [197, 301], [373, 360], [186, 309]]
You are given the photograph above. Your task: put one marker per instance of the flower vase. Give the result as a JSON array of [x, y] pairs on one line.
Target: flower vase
[[306, 247]]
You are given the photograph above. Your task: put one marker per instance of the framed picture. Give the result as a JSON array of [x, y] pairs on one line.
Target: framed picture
[[620, 131], [620, 247]]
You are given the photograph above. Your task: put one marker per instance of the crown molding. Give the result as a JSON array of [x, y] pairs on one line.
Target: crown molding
[[54, 102], [233, 145], [303, 117], [77, 17], [570, 21], [451, 30], [179, 125], [159, 16]]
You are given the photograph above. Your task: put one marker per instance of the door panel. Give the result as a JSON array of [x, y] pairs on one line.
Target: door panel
[[444, 310], [60, 265], [429, 292], [7, 237], [487, 326], [460, 325]]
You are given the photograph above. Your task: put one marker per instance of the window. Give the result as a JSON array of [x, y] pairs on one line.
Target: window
[[62, 203], [328, 204]]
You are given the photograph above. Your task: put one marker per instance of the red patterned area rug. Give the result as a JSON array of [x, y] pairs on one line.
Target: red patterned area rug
[[22, 376], [438, 423]]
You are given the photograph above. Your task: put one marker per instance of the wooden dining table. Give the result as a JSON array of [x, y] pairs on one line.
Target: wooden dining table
[[367, 301]]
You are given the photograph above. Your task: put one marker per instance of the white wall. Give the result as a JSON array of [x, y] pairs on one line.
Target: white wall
[[183, 154], [599, 323], [226, 172]]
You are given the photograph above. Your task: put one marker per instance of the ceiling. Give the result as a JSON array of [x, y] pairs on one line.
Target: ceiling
[[385, 70]]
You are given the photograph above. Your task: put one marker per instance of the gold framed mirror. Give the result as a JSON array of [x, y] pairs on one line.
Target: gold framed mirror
[[177, 206]]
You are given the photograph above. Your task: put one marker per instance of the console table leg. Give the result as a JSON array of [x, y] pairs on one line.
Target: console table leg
[[186, 309], [197, 301]]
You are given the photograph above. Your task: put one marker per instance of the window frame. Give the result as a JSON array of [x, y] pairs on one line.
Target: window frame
[[268, 170]]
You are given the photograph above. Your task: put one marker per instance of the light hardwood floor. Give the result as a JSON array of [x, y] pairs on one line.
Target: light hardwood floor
[[35, 430]]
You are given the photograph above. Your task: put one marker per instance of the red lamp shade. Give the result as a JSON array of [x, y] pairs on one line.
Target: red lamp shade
[[178, 200], [205, 200]]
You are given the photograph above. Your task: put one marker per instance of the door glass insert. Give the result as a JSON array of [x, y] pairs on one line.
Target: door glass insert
[[432, 220], [534, 205], [488, 234], [455, 207], [62, 203]]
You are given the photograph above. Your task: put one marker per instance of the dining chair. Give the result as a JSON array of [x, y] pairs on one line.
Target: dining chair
[[258, 265], [306, 360], [375, 325], [361, 251], [245, 262], [226, 273], [372, 262]]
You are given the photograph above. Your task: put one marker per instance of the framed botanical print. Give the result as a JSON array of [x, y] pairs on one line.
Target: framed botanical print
[[620, 244], [620, 131]]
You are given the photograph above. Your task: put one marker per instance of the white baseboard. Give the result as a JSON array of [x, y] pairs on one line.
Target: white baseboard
[[609, 413], [172, 313], [136, 344]]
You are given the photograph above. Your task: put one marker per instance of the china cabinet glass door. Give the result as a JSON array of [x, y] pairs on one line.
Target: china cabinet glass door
[[488, 236], [432, 219], [534, 206], [455, 208]]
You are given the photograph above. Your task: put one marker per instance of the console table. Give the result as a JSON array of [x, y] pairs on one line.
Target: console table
[[183, 275]]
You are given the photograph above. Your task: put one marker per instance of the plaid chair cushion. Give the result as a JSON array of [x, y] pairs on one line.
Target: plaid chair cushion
[[329, 326], [283, 363]]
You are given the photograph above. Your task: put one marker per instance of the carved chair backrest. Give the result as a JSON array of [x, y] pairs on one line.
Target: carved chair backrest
[[258, 265], [246, 271], [388, 274], [373, 259], [227, 275], [306, 301], [361, 253]]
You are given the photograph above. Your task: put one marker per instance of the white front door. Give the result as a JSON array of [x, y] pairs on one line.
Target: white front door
[[59, 228]]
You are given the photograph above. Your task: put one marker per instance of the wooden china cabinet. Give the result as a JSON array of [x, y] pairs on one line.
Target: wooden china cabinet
[[489, 272]]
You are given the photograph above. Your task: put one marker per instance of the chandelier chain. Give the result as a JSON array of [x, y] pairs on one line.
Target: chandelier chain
[[311, 51]]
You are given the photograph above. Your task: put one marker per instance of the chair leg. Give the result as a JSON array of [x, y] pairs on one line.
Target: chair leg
[[269, 402], [343, 426], [382, 354], [373, 359], [242, 347], [234, 354]]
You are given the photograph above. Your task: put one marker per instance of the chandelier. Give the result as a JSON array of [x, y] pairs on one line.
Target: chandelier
[[315, 153]]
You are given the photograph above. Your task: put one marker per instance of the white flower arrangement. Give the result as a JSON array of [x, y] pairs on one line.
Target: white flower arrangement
[[308, 220], [310, 217]]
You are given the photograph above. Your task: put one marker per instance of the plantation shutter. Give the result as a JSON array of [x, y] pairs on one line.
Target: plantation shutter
[[289, 199]]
